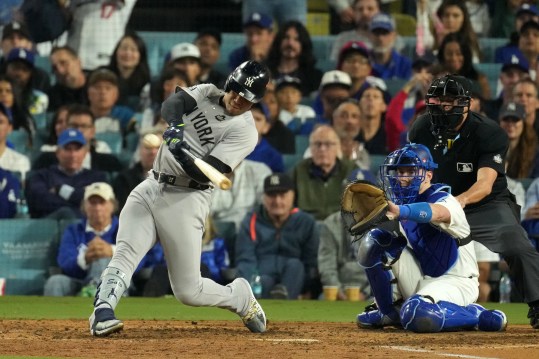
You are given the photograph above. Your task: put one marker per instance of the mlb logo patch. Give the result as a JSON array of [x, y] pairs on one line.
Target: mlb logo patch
[[464, 167]]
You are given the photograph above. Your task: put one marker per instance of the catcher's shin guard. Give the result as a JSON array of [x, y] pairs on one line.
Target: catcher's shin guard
[[420, 315], [112, 287], [375, 249]]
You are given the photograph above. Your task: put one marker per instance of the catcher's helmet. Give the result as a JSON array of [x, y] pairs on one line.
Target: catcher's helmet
[[451, 89], [418, 160], [249, 80]]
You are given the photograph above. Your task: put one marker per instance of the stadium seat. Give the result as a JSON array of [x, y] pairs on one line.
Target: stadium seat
[[291, 160], [19, 139], [376, 162], [302, 142], [113, 139], [29, 248]]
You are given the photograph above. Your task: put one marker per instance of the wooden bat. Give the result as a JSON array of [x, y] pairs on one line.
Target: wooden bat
[[216, 177]]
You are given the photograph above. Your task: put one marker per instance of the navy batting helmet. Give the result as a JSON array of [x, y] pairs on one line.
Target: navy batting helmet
[[249, 80], [418, 160]]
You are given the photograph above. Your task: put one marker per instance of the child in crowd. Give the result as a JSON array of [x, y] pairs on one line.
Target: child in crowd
[[288, 92]]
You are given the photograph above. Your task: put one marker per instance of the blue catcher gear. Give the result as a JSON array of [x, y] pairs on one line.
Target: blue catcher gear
[[403, 172], [488, 320], [377, 250], [249, 80], [421, 315], [373, 318]]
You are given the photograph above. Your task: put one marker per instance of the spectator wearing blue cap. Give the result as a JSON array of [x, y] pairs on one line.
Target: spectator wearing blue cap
[[258, 31], [387, 62], [515, 67], [16, 35], [10, 159], [19, 68], [264, 152], [506, 16], [524, 13], [281, 10], [57, 191]]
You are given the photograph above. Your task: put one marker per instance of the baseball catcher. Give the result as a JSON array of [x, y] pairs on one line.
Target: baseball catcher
[[421, 278]]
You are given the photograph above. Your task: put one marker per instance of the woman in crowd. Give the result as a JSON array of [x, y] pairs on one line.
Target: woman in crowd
[[130, 62]]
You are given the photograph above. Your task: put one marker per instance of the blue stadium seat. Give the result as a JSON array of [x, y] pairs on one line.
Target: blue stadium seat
[[376, 162], [302, 142], [29, 248], [19, 139], [291, 160], [113, 139]]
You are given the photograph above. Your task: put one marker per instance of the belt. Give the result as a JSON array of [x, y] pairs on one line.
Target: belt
[[178, 181]]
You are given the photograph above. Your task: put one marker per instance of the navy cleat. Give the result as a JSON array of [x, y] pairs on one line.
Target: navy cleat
[[103, 322], [372, 318], [254, 318]]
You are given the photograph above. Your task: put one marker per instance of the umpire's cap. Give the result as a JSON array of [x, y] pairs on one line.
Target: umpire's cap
[[249, 80]]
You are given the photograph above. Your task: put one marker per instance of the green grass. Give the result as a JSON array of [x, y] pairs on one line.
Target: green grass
[[28, 307]]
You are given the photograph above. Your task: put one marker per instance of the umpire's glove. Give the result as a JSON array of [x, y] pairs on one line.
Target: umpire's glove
[[173, 137]]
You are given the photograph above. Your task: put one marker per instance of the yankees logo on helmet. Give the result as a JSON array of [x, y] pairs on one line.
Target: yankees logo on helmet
[[249, 81]]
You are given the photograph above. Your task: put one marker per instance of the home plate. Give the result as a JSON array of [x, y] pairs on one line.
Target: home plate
[[289, 340]]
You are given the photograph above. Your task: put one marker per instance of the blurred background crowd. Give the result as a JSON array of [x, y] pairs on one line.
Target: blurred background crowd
[[82, 82]]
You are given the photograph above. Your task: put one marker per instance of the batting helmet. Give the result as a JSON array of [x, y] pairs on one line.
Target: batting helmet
[[451, 89], [418, 159], [249, 80]]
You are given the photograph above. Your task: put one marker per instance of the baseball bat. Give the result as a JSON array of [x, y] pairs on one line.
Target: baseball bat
[[216, 177]]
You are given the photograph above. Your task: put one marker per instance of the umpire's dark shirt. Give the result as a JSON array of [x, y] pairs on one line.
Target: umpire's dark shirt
[[481, 143]]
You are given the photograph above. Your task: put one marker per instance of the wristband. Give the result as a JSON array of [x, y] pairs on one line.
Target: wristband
[[417, 212]]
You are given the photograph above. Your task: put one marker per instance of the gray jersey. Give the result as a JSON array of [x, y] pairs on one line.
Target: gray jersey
[[210, 130]]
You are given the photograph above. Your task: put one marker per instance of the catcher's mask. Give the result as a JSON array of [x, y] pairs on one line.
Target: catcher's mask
[[249, 80], [446, 99], [403, 172]]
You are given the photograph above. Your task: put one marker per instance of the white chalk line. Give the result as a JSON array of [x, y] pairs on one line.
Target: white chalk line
[[410, 349], [289, 340]]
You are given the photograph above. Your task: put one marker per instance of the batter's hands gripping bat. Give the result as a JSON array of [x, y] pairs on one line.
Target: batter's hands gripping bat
[[216, 177]]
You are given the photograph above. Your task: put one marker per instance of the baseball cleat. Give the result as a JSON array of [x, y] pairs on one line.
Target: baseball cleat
[[254, 318], [492, 321], [103, 322], [372, 318], [533, 314]]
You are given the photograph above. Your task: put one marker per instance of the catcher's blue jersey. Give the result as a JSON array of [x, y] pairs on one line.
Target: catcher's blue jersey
[[435, 249]]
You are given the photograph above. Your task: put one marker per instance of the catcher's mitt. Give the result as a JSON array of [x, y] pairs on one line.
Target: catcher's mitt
[[363, 207]]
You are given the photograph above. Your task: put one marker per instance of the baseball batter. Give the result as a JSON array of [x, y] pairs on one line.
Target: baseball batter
[[171, 206], [423, 268]]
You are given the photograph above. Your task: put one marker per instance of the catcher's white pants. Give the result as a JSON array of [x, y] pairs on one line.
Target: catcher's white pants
[[451, 288]]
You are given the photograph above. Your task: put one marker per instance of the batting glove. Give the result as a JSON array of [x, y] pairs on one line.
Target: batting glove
[[173, 137]]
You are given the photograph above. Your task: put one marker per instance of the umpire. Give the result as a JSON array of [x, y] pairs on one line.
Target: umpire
[[470, 151]]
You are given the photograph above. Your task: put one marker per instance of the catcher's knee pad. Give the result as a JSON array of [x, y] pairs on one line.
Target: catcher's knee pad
[[420, 315], [377, 247]]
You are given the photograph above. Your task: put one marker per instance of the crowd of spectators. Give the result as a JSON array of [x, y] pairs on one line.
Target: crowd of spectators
[[94, 116]]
